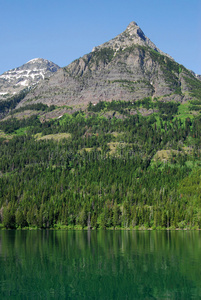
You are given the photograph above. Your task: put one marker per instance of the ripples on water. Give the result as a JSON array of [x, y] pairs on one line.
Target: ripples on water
[[100, 265]]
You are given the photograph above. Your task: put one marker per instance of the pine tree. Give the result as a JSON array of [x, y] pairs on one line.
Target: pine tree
[[115, 217]]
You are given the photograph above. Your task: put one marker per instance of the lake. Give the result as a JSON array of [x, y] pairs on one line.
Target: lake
[[100, 264]]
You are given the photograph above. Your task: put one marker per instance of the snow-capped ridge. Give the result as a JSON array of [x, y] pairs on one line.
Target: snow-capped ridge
[[35, 60], [27, 75]]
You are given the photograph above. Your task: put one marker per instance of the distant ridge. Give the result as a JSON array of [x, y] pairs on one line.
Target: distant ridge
[[29, 74]]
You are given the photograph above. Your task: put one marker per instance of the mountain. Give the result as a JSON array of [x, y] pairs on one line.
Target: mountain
[[129, 164], [29, 74], [128, 67]]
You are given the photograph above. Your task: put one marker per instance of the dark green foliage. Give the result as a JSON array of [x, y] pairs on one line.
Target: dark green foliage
[[8, 217], [10, 104], [20, 219], [79, 181], [13, 124], [104, 55], [195, 86], [167, 110], [121, 106], [195, 105], [37, 106]]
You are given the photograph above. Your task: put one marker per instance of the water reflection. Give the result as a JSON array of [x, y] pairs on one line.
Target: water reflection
[[100, 265]]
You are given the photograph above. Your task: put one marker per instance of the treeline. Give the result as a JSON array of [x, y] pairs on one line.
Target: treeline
[[13, 124], [37, 107], [167, 110], [11, 103]]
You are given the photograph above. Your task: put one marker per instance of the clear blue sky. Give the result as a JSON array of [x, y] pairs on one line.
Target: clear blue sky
[[63, 30]]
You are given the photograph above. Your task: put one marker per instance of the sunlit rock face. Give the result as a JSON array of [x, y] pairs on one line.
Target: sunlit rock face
[[128, 67]]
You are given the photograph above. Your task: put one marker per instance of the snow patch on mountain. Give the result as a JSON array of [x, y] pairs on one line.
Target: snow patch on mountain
[[27, 75]]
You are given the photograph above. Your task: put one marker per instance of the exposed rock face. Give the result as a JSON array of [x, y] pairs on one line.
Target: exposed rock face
[[133, 35], [15, 80], [129, 67]]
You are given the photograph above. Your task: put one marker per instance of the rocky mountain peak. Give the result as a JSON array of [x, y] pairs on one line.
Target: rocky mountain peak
[[133, 35], [124, 68], [134, 29], [132, 24], [42, 63], [29, 74]]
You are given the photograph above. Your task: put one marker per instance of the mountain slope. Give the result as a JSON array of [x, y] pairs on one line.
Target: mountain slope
[[129, 67], [15, 80]]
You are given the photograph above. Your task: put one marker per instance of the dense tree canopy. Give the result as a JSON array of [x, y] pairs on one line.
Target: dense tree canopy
[[124, 170]]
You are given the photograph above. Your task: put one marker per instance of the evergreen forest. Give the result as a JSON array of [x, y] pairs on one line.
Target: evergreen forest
[[118, 164]]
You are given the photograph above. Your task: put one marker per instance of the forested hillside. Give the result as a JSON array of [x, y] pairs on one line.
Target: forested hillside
[[114, 164]]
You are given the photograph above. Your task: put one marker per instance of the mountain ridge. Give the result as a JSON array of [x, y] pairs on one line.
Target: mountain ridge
[[15, 80], [128, 67]]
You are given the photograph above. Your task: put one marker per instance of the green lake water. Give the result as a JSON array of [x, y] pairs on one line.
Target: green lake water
[[100, 265]]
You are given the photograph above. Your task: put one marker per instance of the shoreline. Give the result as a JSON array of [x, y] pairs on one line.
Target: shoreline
[[77, 228]]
